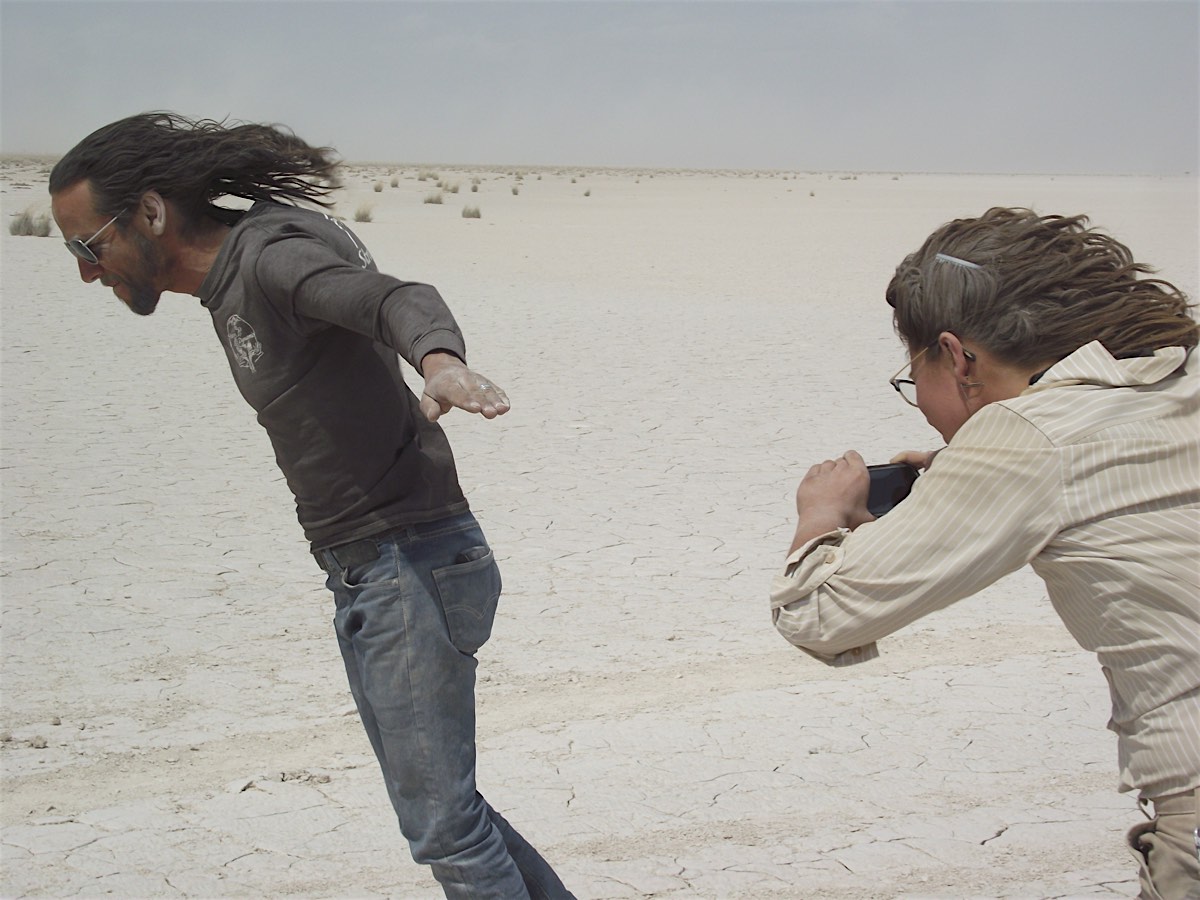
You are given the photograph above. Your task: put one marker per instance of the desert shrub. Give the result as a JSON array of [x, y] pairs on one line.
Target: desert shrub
[[516, 190], [30, 224], [395, 181], [363, 213], [378, 186], [471, 212], [452, 187], [435, 197], [588, 192], [475, 188]]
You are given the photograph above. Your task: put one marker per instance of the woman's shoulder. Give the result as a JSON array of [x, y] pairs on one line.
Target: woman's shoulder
[[1090, 395]]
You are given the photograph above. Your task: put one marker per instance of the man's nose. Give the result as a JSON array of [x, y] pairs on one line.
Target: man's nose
[[89, 272]]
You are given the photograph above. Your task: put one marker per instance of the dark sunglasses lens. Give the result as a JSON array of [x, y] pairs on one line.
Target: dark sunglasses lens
[[80, 250]]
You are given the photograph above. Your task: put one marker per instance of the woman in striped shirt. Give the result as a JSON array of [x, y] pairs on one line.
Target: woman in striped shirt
[[1066, 390]]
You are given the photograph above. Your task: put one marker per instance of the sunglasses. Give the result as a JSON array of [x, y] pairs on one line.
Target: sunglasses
[[80, 249]]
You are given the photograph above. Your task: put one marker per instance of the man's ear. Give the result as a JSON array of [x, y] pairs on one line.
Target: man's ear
[[153, 211]]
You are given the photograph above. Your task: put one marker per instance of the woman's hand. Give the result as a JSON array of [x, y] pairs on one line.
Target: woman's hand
[[832, 495], [918, 459]]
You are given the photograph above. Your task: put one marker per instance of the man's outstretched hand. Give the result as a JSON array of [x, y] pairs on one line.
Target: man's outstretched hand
[[449, 383]]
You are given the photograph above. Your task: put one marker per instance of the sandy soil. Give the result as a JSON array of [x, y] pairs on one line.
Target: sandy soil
[[679, 346]]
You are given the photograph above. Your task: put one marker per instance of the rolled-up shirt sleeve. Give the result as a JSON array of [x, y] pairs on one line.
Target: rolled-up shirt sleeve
[[989, 504], [794, 597]]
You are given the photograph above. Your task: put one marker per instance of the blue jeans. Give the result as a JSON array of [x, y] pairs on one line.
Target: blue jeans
[[409, 623]]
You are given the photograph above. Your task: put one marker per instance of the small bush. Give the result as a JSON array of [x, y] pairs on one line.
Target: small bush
[[378, 186], [471, 212], [30, 224], [395, 181], [475, 188], [434, 197], [516, 190], [588, 192], [363, 213]]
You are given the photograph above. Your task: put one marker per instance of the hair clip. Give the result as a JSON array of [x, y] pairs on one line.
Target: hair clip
[[955, 261]]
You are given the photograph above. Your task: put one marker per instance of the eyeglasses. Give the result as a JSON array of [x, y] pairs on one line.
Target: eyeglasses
[[80, 249], [906, 387]]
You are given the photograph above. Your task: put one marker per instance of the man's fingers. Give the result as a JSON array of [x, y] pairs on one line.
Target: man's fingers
[[433, 409], [465, 389], [491, 400]]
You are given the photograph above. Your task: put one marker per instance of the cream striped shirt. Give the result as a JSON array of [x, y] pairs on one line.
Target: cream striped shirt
[[1093, 476]]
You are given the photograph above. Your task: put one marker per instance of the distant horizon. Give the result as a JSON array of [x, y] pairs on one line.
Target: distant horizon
[[50, 158]]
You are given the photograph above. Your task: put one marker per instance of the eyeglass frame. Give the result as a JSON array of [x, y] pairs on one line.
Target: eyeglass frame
[[80, 249], [896, 381]]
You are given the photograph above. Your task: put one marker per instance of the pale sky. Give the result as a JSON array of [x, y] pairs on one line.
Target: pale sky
[[1045, 86]]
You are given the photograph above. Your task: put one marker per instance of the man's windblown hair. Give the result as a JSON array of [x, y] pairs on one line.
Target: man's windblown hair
[[194, 162]]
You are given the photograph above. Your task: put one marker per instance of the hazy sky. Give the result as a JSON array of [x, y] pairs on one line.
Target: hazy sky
[[966, 86]]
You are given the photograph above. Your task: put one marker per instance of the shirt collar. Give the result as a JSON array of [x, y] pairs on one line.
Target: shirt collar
[[1093, 364]]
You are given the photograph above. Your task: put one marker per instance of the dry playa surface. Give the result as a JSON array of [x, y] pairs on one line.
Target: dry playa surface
[[679, 347]]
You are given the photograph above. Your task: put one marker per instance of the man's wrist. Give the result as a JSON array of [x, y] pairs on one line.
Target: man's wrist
[[438, 359]]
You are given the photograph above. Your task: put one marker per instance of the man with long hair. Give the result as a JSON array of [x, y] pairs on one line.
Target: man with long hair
[[312, 331]]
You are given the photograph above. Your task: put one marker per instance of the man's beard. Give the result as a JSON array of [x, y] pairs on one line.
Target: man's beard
[[143, 299]]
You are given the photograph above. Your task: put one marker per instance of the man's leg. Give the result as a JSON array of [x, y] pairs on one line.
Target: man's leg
[[541, 881], [409, 624]]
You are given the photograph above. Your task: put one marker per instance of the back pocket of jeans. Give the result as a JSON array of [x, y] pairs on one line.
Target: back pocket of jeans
[[469, 591]]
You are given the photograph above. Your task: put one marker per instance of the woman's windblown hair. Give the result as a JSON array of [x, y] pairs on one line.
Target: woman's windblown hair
[[1033, 288], [193, 162]]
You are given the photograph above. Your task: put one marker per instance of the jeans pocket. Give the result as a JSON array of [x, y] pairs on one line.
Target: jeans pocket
[[380, 572], [469, 591]]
